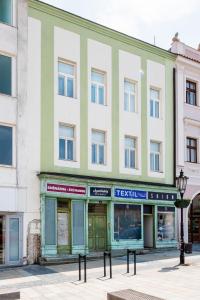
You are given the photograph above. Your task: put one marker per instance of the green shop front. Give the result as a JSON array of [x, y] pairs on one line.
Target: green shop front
[[85, 215]]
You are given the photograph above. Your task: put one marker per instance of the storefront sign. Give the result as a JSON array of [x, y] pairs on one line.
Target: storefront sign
[[100, 191], [162, 196], [130, 194], [67, 189]]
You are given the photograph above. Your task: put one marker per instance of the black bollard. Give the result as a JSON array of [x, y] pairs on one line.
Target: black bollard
[[85, 266], [128, 260]]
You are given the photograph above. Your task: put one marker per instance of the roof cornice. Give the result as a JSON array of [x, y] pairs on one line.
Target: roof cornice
[[103, 30]]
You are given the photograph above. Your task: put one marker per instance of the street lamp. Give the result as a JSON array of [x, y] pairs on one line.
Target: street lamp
[[181, 183]]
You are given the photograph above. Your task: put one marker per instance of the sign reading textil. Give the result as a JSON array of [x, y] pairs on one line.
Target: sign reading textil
[[131, 194], [67, 189], [100, 192]]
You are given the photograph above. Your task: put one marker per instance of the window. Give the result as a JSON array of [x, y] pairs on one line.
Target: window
[[191, 150], [66, 79], [129, 96], [155, 156], [66, 142], [98, 87], [5, 74], [6, 11], [166, 223], [154, 103], [78, 223], [6, 145], [191, 92], [130, 152], [98, 147], [127, 222]]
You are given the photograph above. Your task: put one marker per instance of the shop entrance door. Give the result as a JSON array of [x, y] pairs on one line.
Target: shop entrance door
[[97, 228], [194, 221], [148, 227], [1, 240], [13, 239]]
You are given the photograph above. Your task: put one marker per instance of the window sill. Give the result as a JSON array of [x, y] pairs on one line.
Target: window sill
[[7, 95], [71, 98], [192, 163], [7, 24], [7, 166], [192, 105], [68, 160], [96, 164], [95, 103]]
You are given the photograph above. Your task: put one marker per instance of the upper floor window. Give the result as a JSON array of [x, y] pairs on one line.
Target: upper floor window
[[5, 74], [66, 79], [154, 103], [6, 147], [130, 152], [129, 96], [98, 147], [66, 142], [191, 150], [6, 11], [155, 156], [191, 93], [98, 87]]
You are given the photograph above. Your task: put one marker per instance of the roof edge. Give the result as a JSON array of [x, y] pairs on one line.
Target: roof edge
[[101, 29]]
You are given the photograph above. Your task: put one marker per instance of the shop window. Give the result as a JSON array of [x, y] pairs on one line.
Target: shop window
[[166, 223], [78, 223], [98, 87], [130, 152], [6, 145], [191, 150], [50, 221], [191, 93], [6, 11], [66, 79], [5, 74], [98, 147], [155, 156], [127, 222], [66, 142], [154, 103], [129, 96]]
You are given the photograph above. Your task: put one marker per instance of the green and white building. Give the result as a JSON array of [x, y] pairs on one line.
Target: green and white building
[[104, 135]]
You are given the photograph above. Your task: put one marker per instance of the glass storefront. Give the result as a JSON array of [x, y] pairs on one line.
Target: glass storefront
[[166, 223], [127, 221]]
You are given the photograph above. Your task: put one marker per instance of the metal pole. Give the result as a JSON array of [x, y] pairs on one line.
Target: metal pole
[[110, 265], [85, 277], [182, 256], [79, 266], [134, 262], [104, 263], [127, 260]]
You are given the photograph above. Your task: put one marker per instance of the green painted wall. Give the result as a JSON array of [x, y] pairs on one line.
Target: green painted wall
[[51, 17]]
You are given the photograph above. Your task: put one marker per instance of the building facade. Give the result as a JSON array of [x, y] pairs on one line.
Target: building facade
[[18, 206], [104, 107], [188, 131]]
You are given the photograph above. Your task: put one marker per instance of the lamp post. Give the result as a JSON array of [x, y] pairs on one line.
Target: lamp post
[[181, 183]]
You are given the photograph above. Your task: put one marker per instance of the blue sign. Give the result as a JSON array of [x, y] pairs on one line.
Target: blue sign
[[130, 194]]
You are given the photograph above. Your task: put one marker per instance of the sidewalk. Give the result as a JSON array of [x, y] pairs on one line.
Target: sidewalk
[[158, 274]]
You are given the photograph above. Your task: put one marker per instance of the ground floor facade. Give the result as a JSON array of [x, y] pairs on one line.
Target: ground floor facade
[[87, 215]]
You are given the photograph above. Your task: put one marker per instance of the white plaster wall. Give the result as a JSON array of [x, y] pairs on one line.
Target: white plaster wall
[[100, 116], [66, 110], [156, 127], [129, 122]]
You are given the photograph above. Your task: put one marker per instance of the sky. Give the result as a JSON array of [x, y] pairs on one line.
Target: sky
[[142, 19]]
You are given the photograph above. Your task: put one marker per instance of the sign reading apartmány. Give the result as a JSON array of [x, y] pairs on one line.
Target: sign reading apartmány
[[67, 189], [100, 191]]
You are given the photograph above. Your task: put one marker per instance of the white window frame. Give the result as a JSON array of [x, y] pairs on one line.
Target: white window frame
[[13, 165], [66, 76], [99, 144], [154, 154], [155, 100], [129, 96], [97, 85], [129, 149], [67, 139]]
